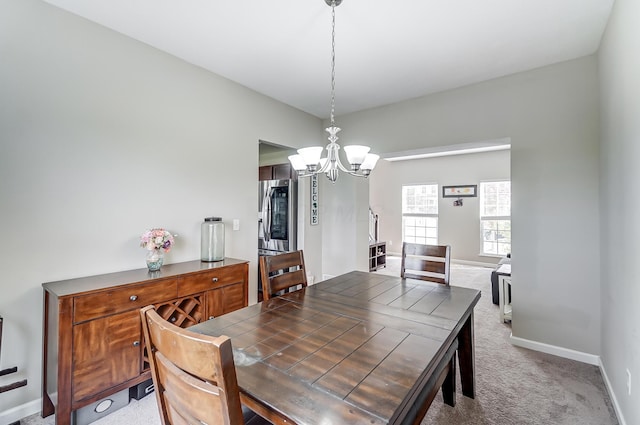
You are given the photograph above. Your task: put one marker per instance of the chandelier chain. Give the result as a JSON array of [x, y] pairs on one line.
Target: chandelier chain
[[308, 161], [333, 61]]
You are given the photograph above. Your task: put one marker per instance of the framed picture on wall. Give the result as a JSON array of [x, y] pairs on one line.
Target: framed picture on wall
[[466, 191]]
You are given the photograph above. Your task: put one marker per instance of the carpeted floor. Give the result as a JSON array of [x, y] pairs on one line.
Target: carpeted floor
[[515, 386]]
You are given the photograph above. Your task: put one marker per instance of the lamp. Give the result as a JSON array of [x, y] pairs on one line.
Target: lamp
[[308, 161]]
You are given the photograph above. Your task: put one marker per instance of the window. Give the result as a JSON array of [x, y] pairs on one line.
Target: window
[[495, 217], [420, 214]]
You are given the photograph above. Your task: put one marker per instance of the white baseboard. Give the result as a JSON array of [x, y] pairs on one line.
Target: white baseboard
[[612, 395], [556, 351], [16, 413], [574, 355]]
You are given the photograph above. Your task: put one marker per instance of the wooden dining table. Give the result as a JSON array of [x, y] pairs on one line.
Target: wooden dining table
[[360, 348]]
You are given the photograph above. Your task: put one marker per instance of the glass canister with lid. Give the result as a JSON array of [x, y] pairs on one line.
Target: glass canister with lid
[[212, 239]]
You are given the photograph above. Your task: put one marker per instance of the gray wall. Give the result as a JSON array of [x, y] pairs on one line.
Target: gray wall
[[102, 137], [457, 226], [551, 116], [344, 208], [619, 66]]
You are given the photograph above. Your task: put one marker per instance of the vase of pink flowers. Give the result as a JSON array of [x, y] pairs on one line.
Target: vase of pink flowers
[[156, 242]]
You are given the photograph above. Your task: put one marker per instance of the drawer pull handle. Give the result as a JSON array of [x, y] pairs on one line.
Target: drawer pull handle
[[215, 279], [133, 297], [136, 343]]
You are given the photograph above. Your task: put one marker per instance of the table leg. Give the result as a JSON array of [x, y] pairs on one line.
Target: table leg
[[449, 384], [501, 296], [466, 357]]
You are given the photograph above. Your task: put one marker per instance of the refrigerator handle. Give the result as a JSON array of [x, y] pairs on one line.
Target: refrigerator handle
[[266, 215]]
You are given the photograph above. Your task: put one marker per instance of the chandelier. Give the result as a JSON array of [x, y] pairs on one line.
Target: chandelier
[[308, 161]]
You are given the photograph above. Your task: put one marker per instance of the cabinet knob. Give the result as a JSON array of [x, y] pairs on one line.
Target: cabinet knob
[[136, 343], [173, 320], [133, 297], [211, 317], [215, 279]]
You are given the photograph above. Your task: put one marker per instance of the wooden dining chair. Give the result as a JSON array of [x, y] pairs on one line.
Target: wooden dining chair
[[282, 273], [426, 262], [193, 375]]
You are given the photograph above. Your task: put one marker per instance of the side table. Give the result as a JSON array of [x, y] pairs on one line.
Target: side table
[[504, 288]]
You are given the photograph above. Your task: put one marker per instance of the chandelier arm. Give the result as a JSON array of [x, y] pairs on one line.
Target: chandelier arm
[[357, 174], [332, 158], [325, 167], [302, 174], [342, 167]]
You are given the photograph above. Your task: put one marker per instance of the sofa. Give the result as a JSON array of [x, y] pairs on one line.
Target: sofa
[[494, 279]]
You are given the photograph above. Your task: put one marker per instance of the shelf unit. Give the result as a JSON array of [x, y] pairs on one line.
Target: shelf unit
[[377, 256]]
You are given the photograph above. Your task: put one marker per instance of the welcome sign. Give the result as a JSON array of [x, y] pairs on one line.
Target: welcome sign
[[314, 200]]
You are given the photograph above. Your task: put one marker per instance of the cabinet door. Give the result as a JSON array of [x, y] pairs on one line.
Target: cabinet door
[[106, 352], [265, 173], [226, 299], [275, 172], [282, 172]]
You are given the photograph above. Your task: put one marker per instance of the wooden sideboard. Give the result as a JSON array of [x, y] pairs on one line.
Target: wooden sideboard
[[92, 337]]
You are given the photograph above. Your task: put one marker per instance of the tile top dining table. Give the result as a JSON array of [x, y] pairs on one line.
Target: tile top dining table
[[360, 348]]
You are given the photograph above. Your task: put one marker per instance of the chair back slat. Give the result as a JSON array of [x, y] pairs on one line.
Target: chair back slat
[[281, 273], [287, 280], [194, 375], [189, 399], [426, 262]]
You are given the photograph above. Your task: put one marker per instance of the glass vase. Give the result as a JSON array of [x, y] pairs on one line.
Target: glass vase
[[155, 258]]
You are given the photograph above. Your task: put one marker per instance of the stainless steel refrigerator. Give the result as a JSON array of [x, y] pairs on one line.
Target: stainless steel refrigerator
[[278, 216], [277, 219]]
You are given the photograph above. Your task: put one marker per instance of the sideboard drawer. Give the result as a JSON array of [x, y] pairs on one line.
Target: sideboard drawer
[[211, 279], [113, 301]]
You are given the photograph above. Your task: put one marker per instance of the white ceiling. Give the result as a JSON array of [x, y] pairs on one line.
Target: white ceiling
[[386, 51]]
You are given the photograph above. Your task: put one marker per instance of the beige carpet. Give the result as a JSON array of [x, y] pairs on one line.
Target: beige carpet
[[515, 386]]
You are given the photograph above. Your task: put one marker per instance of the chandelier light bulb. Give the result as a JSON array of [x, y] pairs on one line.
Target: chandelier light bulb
[[356, 155], [369, 162], [297, 162], [311, 156]]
